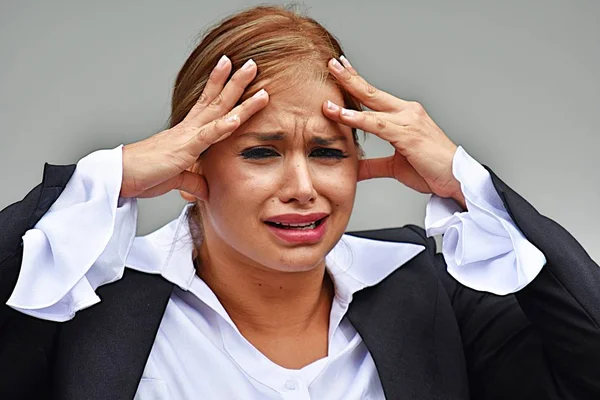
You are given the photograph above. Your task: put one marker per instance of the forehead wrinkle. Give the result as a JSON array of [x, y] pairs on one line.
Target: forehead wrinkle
[[296, 115], [322, 141], [280, 136], [265, 137]]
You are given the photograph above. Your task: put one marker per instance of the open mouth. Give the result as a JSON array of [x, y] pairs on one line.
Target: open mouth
[[302, 227]]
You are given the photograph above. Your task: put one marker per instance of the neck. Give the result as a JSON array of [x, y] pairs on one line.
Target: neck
[[266, 301]]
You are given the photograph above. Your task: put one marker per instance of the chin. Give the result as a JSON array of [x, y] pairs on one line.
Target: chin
[[297, 263], [299, 258]]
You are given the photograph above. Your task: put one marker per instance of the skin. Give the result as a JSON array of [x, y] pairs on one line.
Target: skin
[[290, 153], [278, 163]]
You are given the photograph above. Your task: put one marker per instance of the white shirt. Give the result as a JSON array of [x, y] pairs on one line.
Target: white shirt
[[88, 237]]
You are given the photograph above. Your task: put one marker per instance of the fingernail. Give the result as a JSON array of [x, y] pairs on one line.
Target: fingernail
[[345, 61], [222, 61], [248, 64], [348, 113], [260, 93], [336, 65], [332, 106], [233, 118]]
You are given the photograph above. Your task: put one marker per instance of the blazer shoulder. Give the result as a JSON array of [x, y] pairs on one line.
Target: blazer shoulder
[[21, 216]]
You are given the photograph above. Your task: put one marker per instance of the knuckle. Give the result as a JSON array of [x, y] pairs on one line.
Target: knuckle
[[218, 101], [417, 108], [203, 99], [202, 134], [370, 90], [380, 123]]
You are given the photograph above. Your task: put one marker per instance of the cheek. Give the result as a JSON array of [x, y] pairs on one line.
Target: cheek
[[235, 188], [338, 184]]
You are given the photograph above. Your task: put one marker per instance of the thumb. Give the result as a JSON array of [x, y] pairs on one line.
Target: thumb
[[193, 187], [375, 168], [193, 184]]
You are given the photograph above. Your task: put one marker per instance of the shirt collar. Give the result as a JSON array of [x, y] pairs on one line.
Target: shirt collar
[[356, 263], [353, 264]]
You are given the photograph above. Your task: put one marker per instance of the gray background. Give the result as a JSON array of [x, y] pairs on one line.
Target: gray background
[[515, 82]]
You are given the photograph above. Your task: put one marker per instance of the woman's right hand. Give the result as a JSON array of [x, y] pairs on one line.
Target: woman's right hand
[[159, 164]]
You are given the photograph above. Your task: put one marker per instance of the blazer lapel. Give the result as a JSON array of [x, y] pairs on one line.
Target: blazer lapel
[[102, 352], [396, 320]]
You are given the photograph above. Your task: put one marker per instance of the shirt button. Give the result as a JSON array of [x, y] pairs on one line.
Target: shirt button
[[290, 384]]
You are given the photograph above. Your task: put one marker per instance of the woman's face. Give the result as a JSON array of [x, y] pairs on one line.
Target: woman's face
[[287, 165]]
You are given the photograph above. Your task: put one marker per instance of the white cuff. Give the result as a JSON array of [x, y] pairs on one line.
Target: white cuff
[[483, 248], [79, 244]]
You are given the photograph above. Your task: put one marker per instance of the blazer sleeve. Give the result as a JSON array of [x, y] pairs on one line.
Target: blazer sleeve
[[543, 342], [26, 343]]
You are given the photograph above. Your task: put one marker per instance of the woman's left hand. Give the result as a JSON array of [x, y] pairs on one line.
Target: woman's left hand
[[424, 154]]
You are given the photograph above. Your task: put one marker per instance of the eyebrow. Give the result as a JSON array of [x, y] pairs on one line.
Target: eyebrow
[[279, 136]]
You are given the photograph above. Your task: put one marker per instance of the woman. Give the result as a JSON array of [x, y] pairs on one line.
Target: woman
[[254, 292]]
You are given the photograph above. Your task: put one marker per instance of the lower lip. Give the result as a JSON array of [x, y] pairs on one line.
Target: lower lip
[[304, 236]]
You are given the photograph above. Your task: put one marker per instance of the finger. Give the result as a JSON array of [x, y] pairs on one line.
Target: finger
[[222, 128], [380, 124], [375, 168], [230, 95], [348, 66], [214, 86], [249, 107], [358, 87]]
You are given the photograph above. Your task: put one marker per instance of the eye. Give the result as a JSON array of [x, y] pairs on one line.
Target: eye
[[323, 152], [258, 153]]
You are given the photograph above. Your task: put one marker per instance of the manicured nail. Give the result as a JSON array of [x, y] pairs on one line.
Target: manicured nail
[[248, 64], [348, 113], [222, 61], [345, 61], [233, 118], [336, 65], [332, 106], [260, 93]]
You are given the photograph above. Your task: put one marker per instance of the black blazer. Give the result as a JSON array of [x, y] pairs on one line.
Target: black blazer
[[430, 337]]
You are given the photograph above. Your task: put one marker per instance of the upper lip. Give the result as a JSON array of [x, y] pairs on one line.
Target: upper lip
[[296, 218]]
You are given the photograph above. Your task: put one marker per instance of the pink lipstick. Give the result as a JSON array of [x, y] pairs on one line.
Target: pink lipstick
[[299, 228]]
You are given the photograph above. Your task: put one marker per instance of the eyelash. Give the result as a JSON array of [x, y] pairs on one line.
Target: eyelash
[[329, 153], [258, 153]]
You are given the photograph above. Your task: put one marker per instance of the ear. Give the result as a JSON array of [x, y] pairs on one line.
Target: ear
[[202, 194]]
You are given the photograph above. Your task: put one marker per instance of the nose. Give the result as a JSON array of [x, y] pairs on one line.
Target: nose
[[298, 183]]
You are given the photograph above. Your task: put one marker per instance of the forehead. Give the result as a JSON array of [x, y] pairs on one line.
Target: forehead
[[298, 109]]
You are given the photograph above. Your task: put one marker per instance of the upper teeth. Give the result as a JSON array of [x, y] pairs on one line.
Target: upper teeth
[[296, 225]]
